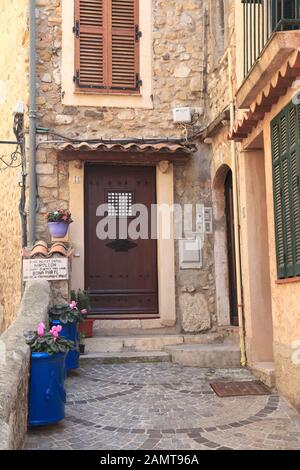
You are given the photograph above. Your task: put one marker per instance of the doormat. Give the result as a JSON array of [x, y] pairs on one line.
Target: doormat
[[240, 389]]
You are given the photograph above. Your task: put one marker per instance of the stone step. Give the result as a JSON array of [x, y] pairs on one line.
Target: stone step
[[115, 344], [215, 356], [265, 372], [132, 327], [125, 357]]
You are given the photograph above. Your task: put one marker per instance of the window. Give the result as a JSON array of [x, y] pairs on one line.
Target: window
[[120, 204], [107, 40], [286, 178], [261, 18], [282, 11]]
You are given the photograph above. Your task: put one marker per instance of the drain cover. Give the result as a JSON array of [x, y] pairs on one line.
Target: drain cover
[[240, 389]]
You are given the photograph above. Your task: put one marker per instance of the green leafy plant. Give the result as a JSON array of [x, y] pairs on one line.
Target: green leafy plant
[[81, 338], [60, 215], [43, 341], [65, 313], [82, 299]]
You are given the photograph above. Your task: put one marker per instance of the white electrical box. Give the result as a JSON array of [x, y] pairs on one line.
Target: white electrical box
[[182, 115], [190, 253]]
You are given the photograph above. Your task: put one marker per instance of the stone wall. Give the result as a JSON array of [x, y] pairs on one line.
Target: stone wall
[[15, 364], [13, 88], [177, 73], [220, 37]]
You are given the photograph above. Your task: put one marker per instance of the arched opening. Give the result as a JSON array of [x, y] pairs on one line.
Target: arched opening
[[231, 254], [225, 259]]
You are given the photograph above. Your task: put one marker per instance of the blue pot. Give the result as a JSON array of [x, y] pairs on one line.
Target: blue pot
[[47, 396], [69, 331], [58, 229]]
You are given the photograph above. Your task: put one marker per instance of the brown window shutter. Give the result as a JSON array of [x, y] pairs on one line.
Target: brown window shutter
[[124, 46], [90, 31], [107, 45]]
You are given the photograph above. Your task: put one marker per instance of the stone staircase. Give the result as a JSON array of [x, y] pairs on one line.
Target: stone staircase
[[210, 350]]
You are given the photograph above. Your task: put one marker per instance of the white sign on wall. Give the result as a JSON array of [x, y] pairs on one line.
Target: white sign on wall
[[52, 269]]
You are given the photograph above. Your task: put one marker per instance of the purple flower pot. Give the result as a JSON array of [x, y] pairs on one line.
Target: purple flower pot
[[58, 229]]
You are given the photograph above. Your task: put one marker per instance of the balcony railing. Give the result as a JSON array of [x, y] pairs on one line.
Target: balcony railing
[[261, 19]]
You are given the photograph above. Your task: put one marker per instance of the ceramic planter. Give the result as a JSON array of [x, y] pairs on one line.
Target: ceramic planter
[[69, 331], [86, 327], [58, 229], [47, 396]]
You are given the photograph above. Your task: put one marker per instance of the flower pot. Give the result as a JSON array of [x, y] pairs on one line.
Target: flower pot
[[86, 327], [58, 229], [82, 349], [47, 396], [69, 331]]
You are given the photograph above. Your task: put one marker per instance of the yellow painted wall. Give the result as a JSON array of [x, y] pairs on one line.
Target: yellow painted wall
[[13, 79], [285, 298]]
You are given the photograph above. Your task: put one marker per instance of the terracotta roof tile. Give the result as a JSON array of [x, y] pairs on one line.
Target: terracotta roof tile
[[132, 147], [270, 95], [58, 249], [41, 249]]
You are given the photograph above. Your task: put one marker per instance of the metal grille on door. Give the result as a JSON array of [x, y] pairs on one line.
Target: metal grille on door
[[120, 204]]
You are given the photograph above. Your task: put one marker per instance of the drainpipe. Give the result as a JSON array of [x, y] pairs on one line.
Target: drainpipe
[[32, 123], [235, 174]]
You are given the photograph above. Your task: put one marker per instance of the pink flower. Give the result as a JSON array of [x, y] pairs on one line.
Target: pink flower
[[84, 311], [41, 329], [55, 330], [73, 305]]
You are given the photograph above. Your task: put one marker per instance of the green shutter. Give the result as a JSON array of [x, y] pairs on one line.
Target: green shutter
[[286, 172]]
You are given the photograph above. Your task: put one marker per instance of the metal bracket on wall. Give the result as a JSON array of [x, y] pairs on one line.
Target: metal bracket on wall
[[14, 159]]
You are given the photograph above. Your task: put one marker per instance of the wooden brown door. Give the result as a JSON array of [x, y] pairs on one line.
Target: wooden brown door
[[120, 273], [231, 250]]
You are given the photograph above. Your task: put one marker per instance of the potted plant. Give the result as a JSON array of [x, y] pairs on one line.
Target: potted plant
[[81, 343], [58, 222], [68, 317], [82, 299], [47, 395]]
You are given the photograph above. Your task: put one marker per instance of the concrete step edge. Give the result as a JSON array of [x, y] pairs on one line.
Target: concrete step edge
[[126, 357]]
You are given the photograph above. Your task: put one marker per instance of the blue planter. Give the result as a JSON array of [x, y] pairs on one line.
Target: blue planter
[[69, 331], [58, 229], [47, 396]]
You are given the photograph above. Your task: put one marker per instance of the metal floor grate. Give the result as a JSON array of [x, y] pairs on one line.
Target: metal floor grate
[[240, 389]]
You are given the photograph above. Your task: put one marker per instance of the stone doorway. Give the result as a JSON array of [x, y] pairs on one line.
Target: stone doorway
[[223, 274], [231, 254]]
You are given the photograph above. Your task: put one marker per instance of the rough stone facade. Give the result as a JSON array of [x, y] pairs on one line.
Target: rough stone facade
[[15, 365], [220, 36], [177, 73], [13, 89]]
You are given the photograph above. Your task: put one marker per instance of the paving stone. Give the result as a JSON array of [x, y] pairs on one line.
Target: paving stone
[[165, 406]]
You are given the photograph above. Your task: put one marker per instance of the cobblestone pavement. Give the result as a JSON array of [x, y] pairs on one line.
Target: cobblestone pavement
[[165, 406]]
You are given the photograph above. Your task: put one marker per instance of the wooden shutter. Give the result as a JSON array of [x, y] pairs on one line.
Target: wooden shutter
[[279, 227], [90, 43], [286, 156], [107, 45], [124, 44]]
